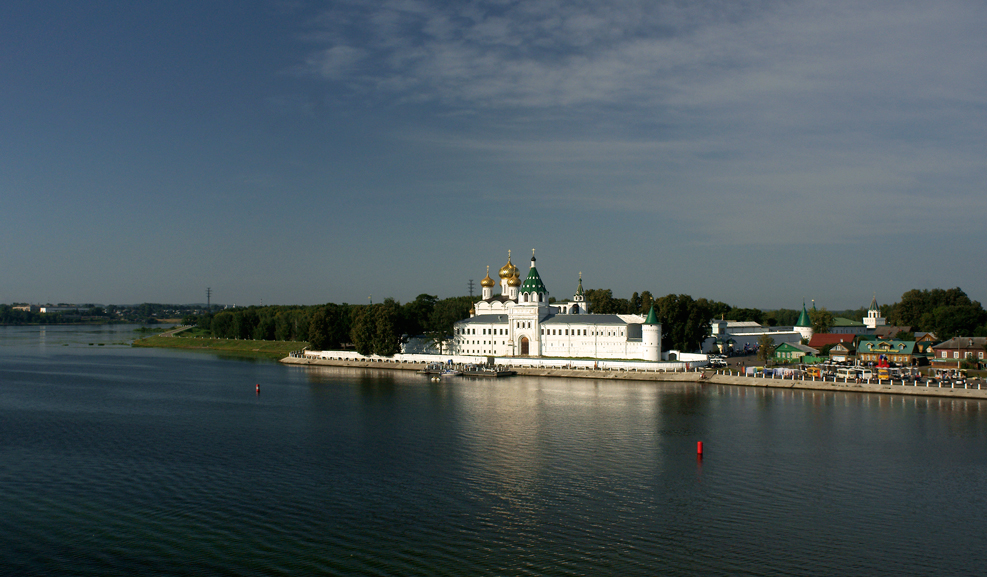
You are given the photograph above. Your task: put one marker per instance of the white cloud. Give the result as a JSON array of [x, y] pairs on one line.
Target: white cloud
[[728, 110], [336, 62]]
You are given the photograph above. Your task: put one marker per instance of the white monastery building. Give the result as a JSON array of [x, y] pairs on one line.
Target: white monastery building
[[520, 322]]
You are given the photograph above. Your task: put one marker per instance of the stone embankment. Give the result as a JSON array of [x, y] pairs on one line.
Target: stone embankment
[[392, 365], [702, 377]]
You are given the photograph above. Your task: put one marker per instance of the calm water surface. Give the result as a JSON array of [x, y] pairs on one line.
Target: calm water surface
[[121, 461]]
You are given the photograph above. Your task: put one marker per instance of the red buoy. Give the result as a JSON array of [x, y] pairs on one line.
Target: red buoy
[[258, 392], [699, 448]]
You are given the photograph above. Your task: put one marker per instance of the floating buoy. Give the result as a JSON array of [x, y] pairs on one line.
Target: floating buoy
[[699, 448], [258, 392]]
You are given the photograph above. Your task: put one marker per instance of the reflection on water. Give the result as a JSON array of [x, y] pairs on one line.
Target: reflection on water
[[135, 461]]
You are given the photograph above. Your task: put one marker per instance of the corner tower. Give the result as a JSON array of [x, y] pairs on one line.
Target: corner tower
[[651, 337], [804, 324]]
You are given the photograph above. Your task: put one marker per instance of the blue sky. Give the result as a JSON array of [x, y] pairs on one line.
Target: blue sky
[[758, 153]]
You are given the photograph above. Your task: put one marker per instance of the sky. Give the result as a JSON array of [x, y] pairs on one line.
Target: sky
[[279, 152]]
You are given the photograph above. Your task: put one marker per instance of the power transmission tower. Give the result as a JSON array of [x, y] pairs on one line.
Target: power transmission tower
[[471, 288], [208, 299]]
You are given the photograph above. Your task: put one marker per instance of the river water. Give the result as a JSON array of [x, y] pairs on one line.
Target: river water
[[122, 461]]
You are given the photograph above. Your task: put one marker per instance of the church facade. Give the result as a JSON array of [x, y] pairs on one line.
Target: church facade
[[520, 322]]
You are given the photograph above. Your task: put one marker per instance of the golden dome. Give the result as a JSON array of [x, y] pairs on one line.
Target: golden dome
[[487, 281], [514, 280], [508, 270]]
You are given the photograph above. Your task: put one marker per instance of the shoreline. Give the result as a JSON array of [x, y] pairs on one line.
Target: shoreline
[[673, 377]]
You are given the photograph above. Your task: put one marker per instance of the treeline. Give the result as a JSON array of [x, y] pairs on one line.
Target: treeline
[[947, 313], [685, 321], [380, 328], [369, 329], [9, 316]]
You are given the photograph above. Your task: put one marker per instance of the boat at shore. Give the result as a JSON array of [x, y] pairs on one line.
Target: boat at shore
[[487, 371]]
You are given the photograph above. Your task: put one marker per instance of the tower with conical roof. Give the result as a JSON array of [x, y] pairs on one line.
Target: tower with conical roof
[[804, 324], [651, 336], [874, 318], [533, 289], [580, 296]]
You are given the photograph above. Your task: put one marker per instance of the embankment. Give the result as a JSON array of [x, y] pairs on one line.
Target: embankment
[[712, 378]]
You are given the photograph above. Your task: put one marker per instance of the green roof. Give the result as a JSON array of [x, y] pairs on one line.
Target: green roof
[[804, 320], [652, 318], [533, 283], [889, 347], [844, 322]]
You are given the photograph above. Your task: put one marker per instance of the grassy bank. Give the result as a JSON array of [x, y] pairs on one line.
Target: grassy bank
[[255, 349]]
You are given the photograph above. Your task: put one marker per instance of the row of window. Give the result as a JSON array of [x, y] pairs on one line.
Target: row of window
[[558, 332], [956, 355]]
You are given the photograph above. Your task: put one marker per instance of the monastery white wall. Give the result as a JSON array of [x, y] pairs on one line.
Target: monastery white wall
[[693, 361]]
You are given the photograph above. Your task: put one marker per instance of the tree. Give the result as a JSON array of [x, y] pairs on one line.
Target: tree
[[318, 330], [685, 323], [635, 304], [441, 325], [782, 317], [946, 313], [387, 336], [415, 314], [221, 326], [601, 301], [646, 301], [765, 348], [362, 331], [822, 321], [748, 315], [375, 330], [338, 321]]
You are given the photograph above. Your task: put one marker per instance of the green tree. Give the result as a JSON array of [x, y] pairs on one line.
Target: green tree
[[745, 315], [362, 330], [601, 301], [338, 321], [646, 301], [685, 322], [822, 320], [415, 314], [635, 304], [318, 330], [446, 313], [782, 317], [766, 348], [221, 326], [375, 329], [387, 336], [946, 313]]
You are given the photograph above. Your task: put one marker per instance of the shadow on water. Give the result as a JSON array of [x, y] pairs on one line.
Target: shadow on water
[[377, 386]]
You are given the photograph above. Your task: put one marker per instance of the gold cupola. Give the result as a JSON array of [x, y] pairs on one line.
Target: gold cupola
[[508, 270], [487, 281], [514, 280]]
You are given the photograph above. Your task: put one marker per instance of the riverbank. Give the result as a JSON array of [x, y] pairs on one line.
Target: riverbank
[[241, 348], [661, 376]]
